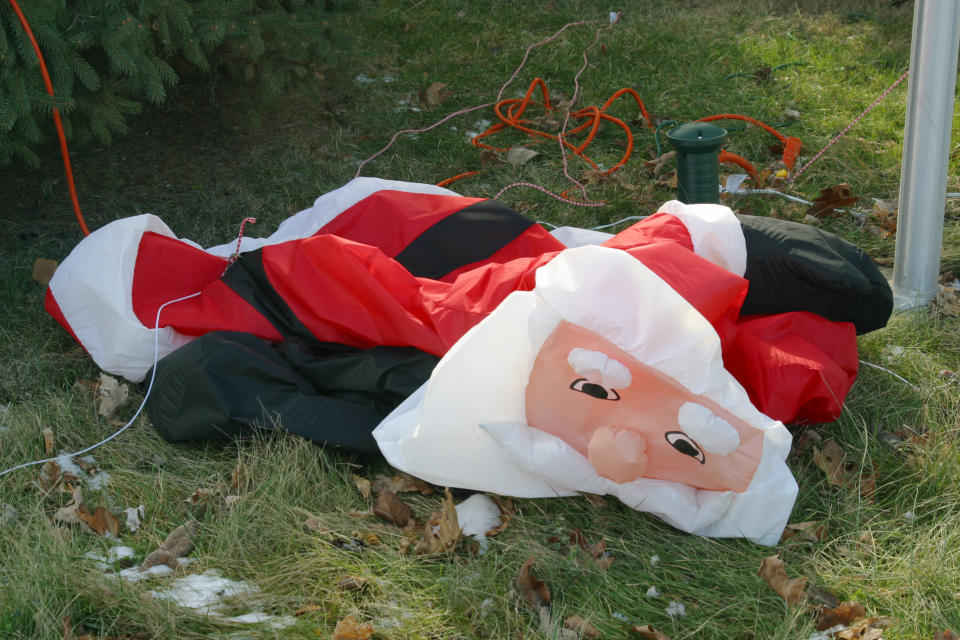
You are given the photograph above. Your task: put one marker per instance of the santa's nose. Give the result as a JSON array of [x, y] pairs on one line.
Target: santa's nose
[[617, 453]]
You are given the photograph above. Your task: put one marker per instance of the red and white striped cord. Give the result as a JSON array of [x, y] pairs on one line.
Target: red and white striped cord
[[879, 99], [549, 193]]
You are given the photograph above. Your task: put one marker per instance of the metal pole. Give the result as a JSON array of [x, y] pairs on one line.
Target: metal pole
[[926, 145]]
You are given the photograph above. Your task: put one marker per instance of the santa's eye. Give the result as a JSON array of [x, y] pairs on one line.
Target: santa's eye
[[682, 443], [593, 389]]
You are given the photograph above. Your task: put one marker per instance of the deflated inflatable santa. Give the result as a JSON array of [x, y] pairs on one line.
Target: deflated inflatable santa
[[657, 366]]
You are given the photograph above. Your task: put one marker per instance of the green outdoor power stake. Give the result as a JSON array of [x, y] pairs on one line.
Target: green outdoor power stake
[[698, 167]]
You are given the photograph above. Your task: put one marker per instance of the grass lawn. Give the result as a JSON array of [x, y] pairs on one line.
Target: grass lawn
[[890, 538]]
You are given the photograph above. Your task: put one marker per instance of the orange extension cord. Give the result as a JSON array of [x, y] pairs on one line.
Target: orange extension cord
[[510, 115], [56, 119]]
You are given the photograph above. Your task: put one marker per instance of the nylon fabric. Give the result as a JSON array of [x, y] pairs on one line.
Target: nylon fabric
[[797, 267], [225, 385]]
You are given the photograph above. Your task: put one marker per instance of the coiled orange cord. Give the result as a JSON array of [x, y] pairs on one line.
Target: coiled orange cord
[[510, 115], [592, 117], [56, 119]]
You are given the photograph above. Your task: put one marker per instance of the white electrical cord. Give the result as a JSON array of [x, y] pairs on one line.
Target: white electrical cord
[[601, 227], [895, 375], [153, 374]]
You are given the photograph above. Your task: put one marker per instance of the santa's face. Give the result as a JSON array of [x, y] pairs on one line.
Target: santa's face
[[632, 421]]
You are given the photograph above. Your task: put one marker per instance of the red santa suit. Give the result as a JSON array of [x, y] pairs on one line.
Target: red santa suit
[[379, 262]]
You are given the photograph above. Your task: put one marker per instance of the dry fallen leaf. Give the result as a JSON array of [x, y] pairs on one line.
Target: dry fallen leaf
[[535, 593], [793, 590], [363, 486], [598, 551], [49, 442], [434, 95], [832, 460], [178, 544], [111, 395], [401, 483], [519, 156], [885, 213], [43, 270], [348, 629], [307, 608], [810, 531], [831, 198], [594, 499], [313, 523], [240, 478], [865, 629], [844, 613], [100, 521], [352, 583], [582, 627], [68, 513], [668, 179], [200, 496], [946, 634], [507, 511], [947, 302], [490, 159], [817, 596], [49, 475], [392, 509], [808, 438], [657, 164], [442, 531], [648, 633]]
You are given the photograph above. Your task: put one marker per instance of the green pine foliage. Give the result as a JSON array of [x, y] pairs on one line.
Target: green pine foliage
[[107, 57]]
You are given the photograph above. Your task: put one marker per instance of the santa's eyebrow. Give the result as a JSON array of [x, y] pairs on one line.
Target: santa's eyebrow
[[598, 367]]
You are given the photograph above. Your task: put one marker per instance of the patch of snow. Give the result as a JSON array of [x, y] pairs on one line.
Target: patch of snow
[[68, 466], [133, 574], [486, 605], [388, 79], [827, 634], [99, 560], [654, 560], [205, 592], [99, 481], [114, 555], [202, 592], [909, 516], [893, 352], [8, 515], [619, 616], [482, 124], [120, 552], [653, 593], [258, 617], [363, 78], [676, 609]]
